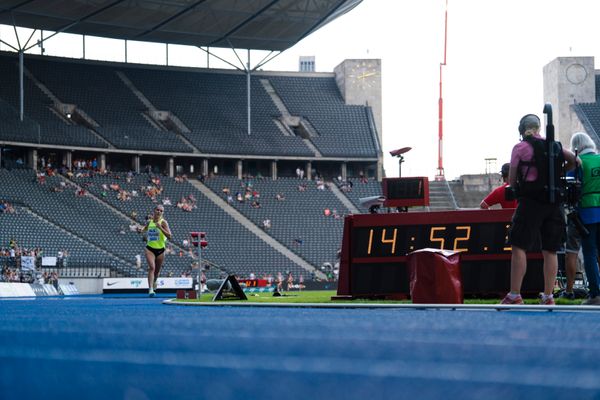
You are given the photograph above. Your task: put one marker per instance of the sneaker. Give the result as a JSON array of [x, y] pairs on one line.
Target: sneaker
[[547, 301], [512, 300], [591, 301], [151, 293], [567, 295]]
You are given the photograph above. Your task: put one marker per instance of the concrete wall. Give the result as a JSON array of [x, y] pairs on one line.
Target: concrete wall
[[568, 80], [480, 182]]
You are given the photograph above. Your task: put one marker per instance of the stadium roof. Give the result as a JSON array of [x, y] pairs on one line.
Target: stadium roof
[[258, 24]]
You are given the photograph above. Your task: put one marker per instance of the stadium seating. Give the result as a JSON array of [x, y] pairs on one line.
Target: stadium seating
[[212, 105], [212, 108], [231, 246], [343, 130], [40, 124], [359, 190], [298, 222], [32, 232]]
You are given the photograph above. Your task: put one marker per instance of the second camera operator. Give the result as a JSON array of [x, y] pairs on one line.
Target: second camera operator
[[589, 211]]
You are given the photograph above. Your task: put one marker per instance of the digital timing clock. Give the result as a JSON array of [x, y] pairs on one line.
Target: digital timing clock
[[405, 192], [254, 282], [375, 248]]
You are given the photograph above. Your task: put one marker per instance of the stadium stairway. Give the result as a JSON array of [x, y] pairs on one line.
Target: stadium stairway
[[344, 199], [441, 197], [212, 196]]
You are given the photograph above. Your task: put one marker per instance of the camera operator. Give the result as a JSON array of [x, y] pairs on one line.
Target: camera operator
[[589, 211], [535, 214], [498, 195]]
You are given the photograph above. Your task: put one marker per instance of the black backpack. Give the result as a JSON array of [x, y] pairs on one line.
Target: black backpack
[[539, 189]]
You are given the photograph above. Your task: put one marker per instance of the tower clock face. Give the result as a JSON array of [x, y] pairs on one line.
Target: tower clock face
[[576, 73], [363, 74]]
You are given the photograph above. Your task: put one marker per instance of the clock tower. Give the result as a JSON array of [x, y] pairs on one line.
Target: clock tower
[[568, 81], [359, 82]]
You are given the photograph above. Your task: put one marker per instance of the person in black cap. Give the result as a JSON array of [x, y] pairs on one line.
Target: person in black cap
[[498, 196]]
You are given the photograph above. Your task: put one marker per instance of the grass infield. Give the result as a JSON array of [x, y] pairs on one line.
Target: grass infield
[[324, 296]]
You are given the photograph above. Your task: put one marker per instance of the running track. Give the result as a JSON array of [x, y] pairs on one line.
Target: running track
[[135, 348]]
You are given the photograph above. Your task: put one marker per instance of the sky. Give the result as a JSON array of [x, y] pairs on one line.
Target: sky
[[496, 51]]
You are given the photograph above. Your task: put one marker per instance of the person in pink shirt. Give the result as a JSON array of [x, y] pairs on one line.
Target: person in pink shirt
[[535, 216]]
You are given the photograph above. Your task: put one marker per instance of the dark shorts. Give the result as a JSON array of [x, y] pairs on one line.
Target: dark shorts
[[534, 220], [573, 238], [156, 252]]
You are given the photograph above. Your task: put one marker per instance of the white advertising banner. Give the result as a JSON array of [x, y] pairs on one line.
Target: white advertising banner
[[142, 283], [27, 263], [15, 289], [48, 261]]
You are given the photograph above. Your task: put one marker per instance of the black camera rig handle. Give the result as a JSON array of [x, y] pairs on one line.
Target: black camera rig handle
[[551, 153]]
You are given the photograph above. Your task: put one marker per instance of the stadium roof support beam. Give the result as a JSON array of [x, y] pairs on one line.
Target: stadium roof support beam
[[171, 18], [243, 23], [80, 20], [22, 49], [321, 20], [258, 24]]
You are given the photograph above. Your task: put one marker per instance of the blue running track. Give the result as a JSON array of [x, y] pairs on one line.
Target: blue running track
[[137, 348]]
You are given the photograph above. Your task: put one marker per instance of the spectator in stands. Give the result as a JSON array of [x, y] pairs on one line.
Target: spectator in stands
[[158, 232], [320, 184], [266, 223], [280, 197], [362, 177], [497, 196], [53, 279], [279, 282]]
